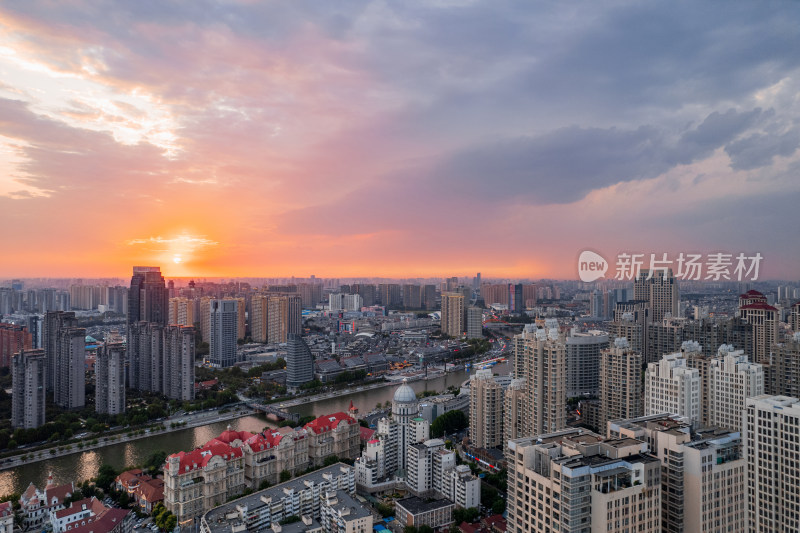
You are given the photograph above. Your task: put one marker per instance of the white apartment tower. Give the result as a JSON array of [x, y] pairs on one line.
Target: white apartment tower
[[670, 386], [702, 474], [573, 481], [731, 380], [485, 410], [771, 435], [70, 368]]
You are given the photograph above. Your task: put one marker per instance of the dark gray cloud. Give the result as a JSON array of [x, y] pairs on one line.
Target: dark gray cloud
[[759, 149], [565, 165]]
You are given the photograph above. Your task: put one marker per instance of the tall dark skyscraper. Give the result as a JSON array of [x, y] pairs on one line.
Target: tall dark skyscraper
[[299, 362], [54, 322], [148, 301], [148, 297]]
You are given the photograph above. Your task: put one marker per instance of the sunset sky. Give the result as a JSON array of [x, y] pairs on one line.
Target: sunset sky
[[397, 139]]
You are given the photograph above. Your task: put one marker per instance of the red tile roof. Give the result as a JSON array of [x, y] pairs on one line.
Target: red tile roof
[[759, 305], [199, 458], [103, 523], [6, 509], [152, 490], [329, 422], [59, 493], [230, 436], [366, 433], [92, 504]]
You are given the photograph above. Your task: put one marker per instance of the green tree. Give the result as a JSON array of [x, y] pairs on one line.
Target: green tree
[[105, 476], [285, 476], [449, 422], [410, 529], [425, 529], [170, 522], [331, 460], [499, 506]]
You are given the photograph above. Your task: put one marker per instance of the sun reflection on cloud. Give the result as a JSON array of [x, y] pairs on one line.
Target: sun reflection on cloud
[[179, 250], [81, 99]]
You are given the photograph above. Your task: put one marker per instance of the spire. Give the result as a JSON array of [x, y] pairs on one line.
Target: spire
[[50, 479]]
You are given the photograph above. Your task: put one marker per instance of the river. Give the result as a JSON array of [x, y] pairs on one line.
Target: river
[[81, 466]]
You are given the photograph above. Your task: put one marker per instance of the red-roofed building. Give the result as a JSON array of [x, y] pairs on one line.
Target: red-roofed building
[[365, 434], [496, 523], [36, 504], [110, 521], [206, 385], [6, 518], [77, 514], [145, 490], [337, 434], [764, 318], [202, 479], [751, 297], [269, 453]]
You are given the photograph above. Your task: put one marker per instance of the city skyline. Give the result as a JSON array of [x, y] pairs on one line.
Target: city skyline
[[416, 139]]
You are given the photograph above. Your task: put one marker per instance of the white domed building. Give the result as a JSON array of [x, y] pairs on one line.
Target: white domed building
[[388, 452], [405, 408]]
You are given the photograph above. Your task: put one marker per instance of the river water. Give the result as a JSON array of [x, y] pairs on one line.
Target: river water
[[81, 466]]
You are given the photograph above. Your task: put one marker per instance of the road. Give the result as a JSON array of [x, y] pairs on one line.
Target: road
[[191, 420]]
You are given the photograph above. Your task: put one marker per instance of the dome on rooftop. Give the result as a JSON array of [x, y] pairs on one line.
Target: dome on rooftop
[[405, 394]]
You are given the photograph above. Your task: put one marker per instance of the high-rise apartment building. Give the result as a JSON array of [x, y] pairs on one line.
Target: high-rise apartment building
[[310, 294], [13, 339], [412, 296], [299, 362], [541, 359], [485, 410], [474, 323], [453, 306], [516, 420], [732, 379], [54, 322], [181, 311], [764, 319], [794, 318], [110, 379], [782, 376], [516, 300], [671, 386], [205, 317], [583, 362], [367, 292], [284, 316], [702, 474], [166, 356], [389, 294], [575, 481], [148, 300], [69, 390], [428, 296], [660, 290], [620, 383], [771, 430], [224, 331], [28, 385], [259, 317], [145, 346], [178, 362]]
